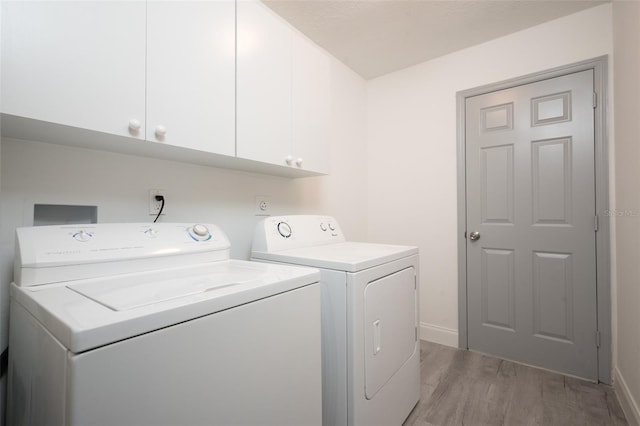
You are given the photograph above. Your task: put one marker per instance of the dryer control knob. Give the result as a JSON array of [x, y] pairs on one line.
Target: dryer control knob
[[323, 226], [284, 229], [288, 159]]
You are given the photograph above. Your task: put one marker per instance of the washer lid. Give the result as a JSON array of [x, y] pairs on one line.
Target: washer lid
[[95, 312], [129, 293], [347, 256]]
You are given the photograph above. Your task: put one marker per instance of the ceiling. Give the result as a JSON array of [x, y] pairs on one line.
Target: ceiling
[[376, 37]]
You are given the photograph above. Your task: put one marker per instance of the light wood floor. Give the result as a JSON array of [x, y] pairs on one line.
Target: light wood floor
[[466, 388]]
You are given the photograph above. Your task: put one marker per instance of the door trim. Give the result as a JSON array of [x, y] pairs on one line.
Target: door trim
[[599, 66]]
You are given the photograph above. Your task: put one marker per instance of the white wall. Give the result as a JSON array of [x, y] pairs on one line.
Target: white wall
[[411, 141], [626, 21], [33, 172]]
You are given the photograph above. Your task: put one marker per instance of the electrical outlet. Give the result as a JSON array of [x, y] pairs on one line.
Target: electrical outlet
[[263, 205], [154, 205]]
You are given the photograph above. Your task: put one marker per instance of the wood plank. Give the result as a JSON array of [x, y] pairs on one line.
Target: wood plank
[[526, 402], [460, 387]]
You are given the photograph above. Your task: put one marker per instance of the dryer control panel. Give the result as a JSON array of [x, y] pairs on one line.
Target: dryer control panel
[[288, 232]]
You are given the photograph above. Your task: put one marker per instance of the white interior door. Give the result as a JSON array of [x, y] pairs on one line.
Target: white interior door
[[530, 193]]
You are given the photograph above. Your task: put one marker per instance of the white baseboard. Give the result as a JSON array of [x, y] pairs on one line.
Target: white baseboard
[[629, 405], [437, 334]]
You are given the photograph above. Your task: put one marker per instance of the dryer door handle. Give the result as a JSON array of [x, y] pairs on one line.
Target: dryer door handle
[[376, 337]]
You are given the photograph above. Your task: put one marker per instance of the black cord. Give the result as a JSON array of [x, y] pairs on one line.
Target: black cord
[[161, 199]]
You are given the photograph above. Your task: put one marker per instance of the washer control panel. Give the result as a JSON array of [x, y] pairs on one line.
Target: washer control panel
[[287, 232], [89, 244], [197, 232]]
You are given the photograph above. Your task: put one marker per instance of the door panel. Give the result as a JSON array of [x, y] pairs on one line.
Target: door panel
[[498, 280], [497, 184], [553, 295], [552, 184], [531, 278]]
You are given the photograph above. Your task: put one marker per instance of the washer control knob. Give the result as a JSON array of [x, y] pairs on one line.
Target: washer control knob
[[151, 233], [333, 228], [200, 232], [323, 226], [288, 159], [299, 162], [82, 236], [284, 229]]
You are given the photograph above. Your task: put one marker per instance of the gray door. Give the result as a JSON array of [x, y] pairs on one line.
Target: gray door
[[531, 274]]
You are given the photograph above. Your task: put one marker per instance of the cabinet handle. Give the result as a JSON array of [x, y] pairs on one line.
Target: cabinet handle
[[288, 159], [299, 162], [134, 125], [161, 131]]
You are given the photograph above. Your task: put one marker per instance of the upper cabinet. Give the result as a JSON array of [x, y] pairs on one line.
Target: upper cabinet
[[264, 85], [211, 82], [283, 96], [191, 74], [311, 104], [80, 64]]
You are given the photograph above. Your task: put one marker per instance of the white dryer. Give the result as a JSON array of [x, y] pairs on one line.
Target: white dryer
[[134, 324], [370, 345]]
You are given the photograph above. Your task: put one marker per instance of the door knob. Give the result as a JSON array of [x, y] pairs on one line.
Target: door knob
[[474, 236]]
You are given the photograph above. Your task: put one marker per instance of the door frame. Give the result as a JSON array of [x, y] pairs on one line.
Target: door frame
[[599, 66]]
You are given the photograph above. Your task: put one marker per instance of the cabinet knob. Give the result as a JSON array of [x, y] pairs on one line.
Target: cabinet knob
[[134, 125], [288, 159], [161, 131], [299, 162]]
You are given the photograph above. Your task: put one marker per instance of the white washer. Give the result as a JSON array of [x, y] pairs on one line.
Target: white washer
[[370, 345], [132, 324]]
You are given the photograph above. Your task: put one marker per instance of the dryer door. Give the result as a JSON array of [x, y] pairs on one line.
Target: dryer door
[[390, 316]]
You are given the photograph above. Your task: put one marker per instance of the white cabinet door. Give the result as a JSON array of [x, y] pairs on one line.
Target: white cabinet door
[[191, 74], [311, 100], [283, 93], [75, 63], [264, 85]]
